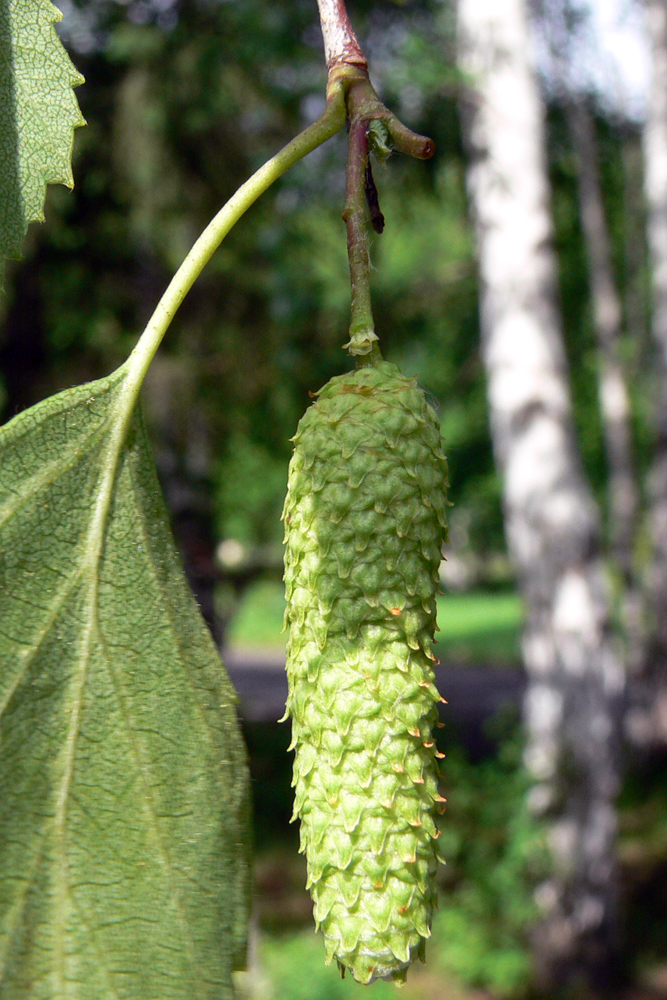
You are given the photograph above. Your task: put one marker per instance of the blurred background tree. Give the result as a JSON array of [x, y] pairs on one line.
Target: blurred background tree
[[575, 677], [184, 98]]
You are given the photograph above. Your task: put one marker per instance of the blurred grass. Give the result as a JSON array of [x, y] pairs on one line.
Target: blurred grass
[[477, 627], [259, 619], [291, 967]]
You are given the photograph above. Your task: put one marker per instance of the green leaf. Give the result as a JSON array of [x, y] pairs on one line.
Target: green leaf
[[123, 786], [38, 115]]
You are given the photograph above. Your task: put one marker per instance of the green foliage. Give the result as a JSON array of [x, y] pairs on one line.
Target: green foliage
[[294, 969], [250, 488], [495, 856], [260, 616], [177, 119], [123, 798], [38, 114]]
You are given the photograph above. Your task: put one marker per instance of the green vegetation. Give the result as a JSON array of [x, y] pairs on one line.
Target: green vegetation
[[481, 628], [477, 628], [495, 856], [295, 970], [35, 148], [258, 622]]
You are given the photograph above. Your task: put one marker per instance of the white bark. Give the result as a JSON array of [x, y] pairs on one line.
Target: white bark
[[340, 41], [552, 525], [655, 184], [655, 169]]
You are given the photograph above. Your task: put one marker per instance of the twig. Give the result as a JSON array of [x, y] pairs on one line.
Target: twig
[[348, 67], [355, 214], [340, 41]]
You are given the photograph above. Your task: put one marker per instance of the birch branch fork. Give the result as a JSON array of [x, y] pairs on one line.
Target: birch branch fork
[[346, 61], [348, 66]]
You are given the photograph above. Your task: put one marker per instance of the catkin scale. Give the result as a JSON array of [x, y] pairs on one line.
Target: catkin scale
[[364, 527]]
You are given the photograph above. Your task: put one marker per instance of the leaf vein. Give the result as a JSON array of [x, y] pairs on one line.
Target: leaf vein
[[45, 476], [35, 646], [143, 770], [19, 906], [92, 933], [169, 613]]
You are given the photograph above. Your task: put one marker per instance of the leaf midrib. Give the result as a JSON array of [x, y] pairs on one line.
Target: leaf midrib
[[117, 426], [31, 651]]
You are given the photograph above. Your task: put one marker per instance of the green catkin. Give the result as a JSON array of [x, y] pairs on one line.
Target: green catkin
[[364, 527]]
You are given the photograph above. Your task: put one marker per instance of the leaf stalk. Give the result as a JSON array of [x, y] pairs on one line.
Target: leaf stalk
[[330, 121]]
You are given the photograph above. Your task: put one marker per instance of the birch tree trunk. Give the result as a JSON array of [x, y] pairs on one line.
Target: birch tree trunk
[[552, 525], [615, 410], [655, 183]]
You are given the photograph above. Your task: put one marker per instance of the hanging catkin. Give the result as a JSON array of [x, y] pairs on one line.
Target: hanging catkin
[[364, 527]]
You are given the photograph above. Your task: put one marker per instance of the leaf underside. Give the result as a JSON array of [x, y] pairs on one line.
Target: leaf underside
[[38, 115], [123, 785]]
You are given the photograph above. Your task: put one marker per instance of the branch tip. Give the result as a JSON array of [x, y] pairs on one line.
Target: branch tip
[[409, 142]]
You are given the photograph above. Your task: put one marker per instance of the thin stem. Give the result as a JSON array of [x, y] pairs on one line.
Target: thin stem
[[348, 68], [409, 142], [330, 122], [355, 216], [340, 41]]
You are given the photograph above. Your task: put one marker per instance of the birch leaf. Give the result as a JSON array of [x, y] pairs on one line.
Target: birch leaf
[[123, 788], [38, 115]]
